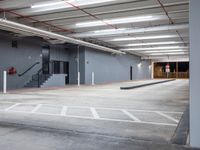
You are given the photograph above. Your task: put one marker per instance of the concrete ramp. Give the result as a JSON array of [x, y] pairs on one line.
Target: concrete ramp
[[144, 83]]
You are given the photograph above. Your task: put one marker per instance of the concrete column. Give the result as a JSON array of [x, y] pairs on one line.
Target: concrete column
[[152, 70], [195, 73], [92, 78], [78, 65], [5, 82], [79, 78]]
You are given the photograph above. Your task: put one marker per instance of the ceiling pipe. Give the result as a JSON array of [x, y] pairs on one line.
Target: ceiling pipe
[[46, 34], [171, 21], [137, 30]]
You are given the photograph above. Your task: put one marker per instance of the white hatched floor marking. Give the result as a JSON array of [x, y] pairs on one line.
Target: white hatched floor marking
[[153, 111], [130, 115], [36, 108], [167, 116], [102, 119], [11, 107], [64, 111], [94, 113]]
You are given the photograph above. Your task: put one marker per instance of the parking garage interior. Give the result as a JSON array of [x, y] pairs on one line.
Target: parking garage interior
[[103, 74]]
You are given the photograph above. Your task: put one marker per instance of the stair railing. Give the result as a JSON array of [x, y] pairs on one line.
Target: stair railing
[[41, 76], [27, 70], [38, 76]]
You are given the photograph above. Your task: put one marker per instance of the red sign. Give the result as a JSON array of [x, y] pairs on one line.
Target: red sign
[[167, 68], [12, 71]]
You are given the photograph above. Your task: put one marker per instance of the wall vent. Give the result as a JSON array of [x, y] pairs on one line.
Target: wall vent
[[14, 43]]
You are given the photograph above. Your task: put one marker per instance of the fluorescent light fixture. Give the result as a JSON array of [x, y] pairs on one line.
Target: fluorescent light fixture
[[143, 38], [109, 30], [101, 33], [116, 21], [48, 4], [154, 48], [139, 65], [164, 51], [154, 43], [125, 31], [52, 5], [177, 53]]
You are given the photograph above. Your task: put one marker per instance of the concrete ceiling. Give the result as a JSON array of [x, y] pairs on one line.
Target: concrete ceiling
[[136, 26]]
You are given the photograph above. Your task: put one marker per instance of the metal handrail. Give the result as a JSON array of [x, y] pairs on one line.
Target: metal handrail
[[38, 75], [27, 70]]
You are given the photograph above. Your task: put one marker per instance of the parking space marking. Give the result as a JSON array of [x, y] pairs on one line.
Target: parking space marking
[[130, 115], [139, 110], [11, 107], [100, 119], [63, 111], [36, 108], [167, 116], [94, 113]]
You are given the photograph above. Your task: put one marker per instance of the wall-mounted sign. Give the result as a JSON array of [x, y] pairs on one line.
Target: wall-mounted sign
[[167, 68]]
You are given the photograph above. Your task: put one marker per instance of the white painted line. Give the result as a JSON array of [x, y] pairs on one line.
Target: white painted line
[[63, 111], [167, 116], [94, 113], [140, 110], [36, 108], [130, 115], [11, 107], [142, 122]]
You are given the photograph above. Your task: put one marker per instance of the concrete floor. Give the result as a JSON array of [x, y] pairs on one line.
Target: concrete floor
[[92, 117]]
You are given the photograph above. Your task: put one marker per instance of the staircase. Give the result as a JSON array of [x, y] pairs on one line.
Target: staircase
[[37, 80]]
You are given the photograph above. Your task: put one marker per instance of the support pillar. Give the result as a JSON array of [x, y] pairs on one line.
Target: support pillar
[[92, 78], [194, 73], [5, 82]]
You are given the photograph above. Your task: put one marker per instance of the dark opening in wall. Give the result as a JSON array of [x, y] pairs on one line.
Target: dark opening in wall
[[177, 70], [14, 43]]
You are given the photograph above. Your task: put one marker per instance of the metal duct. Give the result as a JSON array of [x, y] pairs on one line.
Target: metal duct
[[17, 27]]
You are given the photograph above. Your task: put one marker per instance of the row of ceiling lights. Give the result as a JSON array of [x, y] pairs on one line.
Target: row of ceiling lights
[[171, 50]]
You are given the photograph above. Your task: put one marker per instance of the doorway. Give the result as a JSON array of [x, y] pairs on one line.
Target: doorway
[[61, 67], [45, 59], [66, 71], [56, 67], [131, 73]]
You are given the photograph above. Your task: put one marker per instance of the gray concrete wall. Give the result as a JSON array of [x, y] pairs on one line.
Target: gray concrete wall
[[194, 73], [27, 53], [113, 68], [107, 67]]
